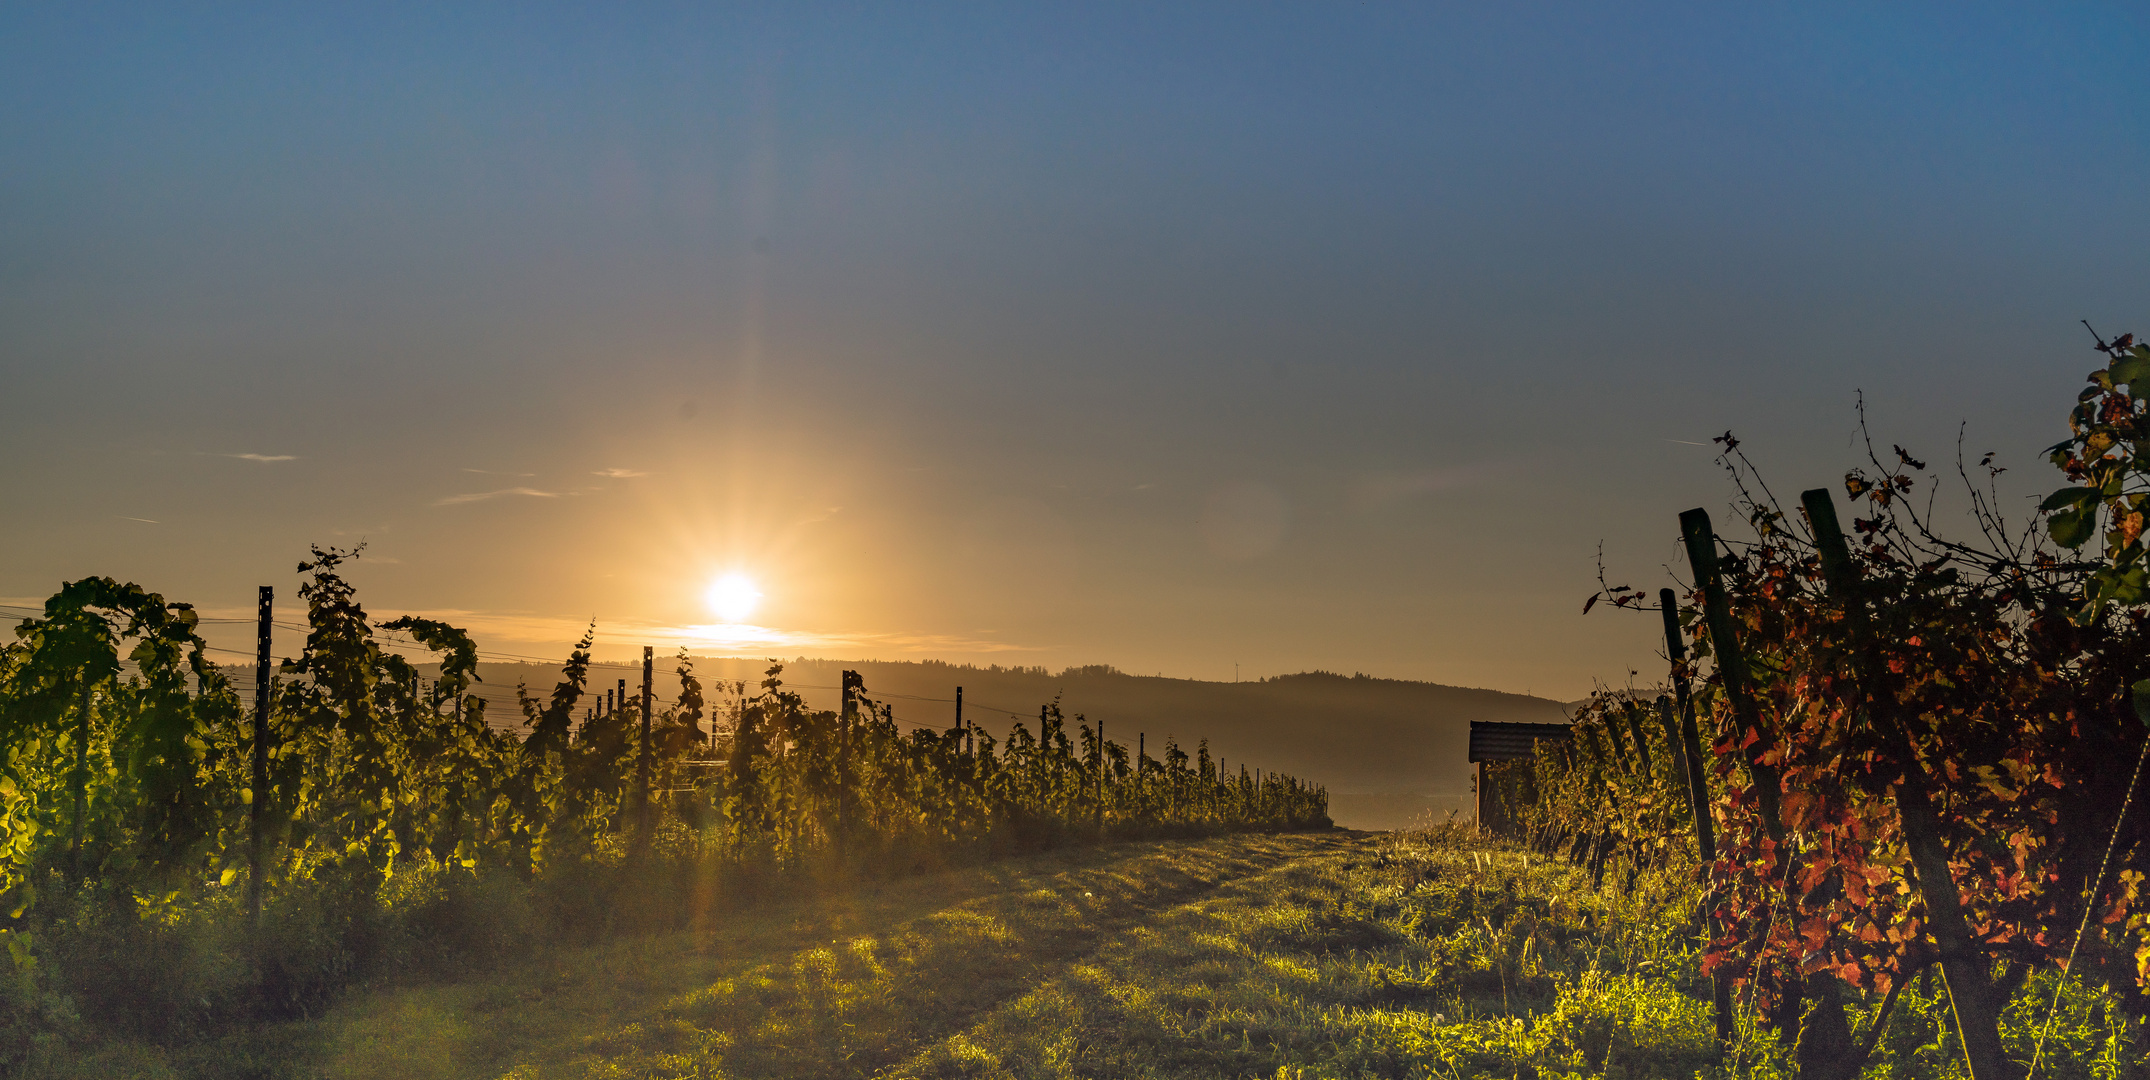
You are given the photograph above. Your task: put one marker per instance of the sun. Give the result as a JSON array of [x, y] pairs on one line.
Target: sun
[[733, 597]]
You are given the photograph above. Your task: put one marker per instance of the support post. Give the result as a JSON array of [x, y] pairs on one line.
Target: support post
[[1142, 759], [1698, 791], [852, 683], [1670, 721], [1633, 713], [1479, 790], [1701, 541], [1964, 973], [257, 805], [1619, 744], [642, 761]]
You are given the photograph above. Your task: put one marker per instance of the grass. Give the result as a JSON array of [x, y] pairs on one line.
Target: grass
[[833, 985], [1293, 956]]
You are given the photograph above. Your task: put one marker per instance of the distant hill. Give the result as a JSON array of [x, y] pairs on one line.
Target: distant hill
[[1389, 750]]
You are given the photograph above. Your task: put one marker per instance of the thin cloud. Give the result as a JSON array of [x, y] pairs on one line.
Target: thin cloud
[[619, 474], [261, 457], [145, 521], [489, 472], [481, 496]]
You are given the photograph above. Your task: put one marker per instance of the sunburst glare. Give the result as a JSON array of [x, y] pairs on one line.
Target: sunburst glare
[[733, 597]]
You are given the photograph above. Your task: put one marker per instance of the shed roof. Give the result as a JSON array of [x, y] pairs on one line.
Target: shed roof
[[1506, 742]]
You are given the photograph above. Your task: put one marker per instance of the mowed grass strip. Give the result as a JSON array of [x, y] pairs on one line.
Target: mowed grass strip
[[842, 983], [1272, 970], [1381, 960], [856, 1005]]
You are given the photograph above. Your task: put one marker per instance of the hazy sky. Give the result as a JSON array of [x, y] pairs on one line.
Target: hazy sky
[[1296, 337]]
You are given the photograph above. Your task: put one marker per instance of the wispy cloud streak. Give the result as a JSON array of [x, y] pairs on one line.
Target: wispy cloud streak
[[481, 496]]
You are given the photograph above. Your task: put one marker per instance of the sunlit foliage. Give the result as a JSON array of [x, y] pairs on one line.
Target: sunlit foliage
[[405, 830], [1920, 751]]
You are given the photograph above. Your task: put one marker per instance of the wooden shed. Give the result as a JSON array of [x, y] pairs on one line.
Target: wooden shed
[[1499, 794]]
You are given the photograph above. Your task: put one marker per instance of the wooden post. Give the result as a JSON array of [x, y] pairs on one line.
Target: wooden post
[[1101, 778], [743, 740], [1642, 745], [959, 711], [1619, 745], [851, 683], [1479, 790], [1732, 667], [256, 819], [1698, 791], [79, 778], [642, 763], [1142, 780], [1670, 721], [1964, 973], [1675, 752]]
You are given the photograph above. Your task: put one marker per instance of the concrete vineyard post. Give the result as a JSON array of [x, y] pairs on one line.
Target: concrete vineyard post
[[257, 806], [1964, 973]]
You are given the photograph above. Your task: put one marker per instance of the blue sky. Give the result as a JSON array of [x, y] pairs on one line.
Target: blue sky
[[1301, 336]]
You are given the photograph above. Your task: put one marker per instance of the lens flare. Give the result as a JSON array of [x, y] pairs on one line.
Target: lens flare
[[733, 597]]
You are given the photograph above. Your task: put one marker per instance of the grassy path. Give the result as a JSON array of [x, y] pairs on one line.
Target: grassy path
[[1335, 955], [842, 985]]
